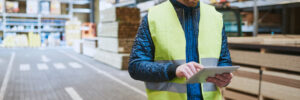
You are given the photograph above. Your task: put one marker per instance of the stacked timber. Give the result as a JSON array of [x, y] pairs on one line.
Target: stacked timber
[[268, 70], [89, 46], [116, 33]]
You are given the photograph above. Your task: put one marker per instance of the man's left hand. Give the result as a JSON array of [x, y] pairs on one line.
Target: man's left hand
[[221, 80]]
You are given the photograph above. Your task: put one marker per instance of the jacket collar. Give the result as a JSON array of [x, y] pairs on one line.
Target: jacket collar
[[177, 4]]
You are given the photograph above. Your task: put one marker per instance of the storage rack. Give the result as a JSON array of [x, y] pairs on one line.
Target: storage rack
[[40, 20]]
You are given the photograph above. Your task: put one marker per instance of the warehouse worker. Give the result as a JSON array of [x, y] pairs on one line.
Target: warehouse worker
[[175, 40]]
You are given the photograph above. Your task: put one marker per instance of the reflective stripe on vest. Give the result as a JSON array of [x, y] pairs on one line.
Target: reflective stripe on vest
[[205, 61], [176, 87], [170, 44]]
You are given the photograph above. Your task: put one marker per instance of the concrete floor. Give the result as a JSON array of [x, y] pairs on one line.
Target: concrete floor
[[61, 74]]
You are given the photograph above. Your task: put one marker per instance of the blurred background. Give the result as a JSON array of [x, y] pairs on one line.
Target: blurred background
[[79, 49]]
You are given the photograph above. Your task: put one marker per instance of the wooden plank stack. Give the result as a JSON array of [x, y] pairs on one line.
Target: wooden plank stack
[[89, 46], [116, 33], [265, 72]]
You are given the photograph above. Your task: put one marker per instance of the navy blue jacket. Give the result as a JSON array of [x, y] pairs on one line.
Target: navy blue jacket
[[142, 66]]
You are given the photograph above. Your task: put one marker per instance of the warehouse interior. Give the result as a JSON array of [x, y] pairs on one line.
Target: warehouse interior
[[80, 49]]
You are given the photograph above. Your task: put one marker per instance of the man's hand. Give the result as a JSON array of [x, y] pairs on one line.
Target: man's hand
[[188, 70], [221, 80]]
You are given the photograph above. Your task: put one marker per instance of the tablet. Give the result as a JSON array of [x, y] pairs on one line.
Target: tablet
[[210, 71]]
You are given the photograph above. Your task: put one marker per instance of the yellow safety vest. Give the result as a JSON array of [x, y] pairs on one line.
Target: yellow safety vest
[[170, 46]]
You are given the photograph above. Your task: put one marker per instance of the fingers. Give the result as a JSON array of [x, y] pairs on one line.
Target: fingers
[[197, 65], [186, 74], [222, 78], [216, 81], [227, 75], [189, 72], [192, 67]]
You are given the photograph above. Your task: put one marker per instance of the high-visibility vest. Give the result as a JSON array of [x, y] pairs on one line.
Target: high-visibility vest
[[170, 46]]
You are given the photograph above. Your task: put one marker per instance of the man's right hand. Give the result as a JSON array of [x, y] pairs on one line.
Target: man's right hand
[[188, 70]]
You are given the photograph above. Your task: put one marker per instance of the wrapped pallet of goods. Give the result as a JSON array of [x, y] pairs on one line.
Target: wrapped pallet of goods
[[9, 41], [45, 7], [21, 40], [88, 30], [55, 7], [32, 6], [16, 40], [1, 6], [88, 34], [116, 33], [73, 34], [12, 6], [34, 40]]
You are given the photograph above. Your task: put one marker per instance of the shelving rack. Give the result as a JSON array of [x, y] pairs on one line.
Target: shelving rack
[[39, 21]]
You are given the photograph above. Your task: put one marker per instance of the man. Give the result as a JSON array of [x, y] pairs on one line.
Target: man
[[175, 40]]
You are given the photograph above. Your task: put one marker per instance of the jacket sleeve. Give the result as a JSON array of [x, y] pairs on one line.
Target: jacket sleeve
[[141, 65], [225, 59]]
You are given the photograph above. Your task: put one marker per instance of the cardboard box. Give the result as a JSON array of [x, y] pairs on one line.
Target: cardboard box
[[12, 6], [32, 6], [55, 7], [45, 7]]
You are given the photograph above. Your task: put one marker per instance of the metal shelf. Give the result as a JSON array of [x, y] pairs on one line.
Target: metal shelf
[[34, 15], [25, 24], [56, 16], [53, 30], [81, 10], [24, 19], [81, 2], [248, 4], [125, 3], [77, 2], [52, 24], [20, 15], [22, 30]]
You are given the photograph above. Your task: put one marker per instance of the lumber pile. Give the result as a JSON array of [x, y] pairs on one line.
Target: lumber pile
[[282, 40], [268, 60], [264, 73], [121, 14], [119, 29], [246, 77], [116, 33], [280, 85], [89, 46]]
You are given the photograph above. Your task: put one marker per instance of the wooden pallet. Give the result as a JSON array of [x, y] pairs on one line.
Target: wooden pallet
[[119, 61]]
